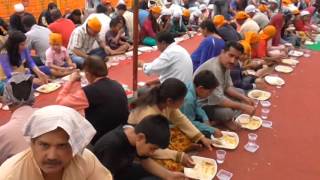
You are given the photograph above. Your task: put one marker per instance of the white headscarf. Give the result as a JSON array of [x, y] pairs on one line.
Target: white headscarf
[[49, 118], [166, 12], [18, 7]]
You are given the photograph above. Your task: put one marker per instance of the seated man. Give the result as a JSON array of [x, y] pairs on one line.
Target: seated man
[[113, 37], [225, 101], [174, 61], [18, 95], [118, 149], [203, 85], [104, 101], [83, 38], [37, 38], [58, 136]]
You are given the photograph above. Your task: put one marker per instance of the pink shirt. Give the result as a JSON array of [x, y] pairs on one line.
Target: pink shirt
[[72, 95], [11, 137], [55, 58]]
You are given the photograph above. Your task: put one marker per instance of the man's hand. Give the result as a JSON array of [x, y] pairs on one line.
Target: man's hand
[[187, 161], [176, 176], [217, 133], [249, 101], [260, 83], [43, 77], [247, 109], [207, 143], [75, 76]]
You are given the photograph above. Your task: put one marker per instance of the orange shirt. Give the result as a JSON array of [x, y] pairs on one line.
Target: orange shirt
[[261, 50]]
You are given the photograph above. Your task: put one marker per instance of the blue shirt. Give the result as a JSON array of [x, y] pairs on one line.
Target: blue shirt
[[143, 15], [210, 47], [192, 109]]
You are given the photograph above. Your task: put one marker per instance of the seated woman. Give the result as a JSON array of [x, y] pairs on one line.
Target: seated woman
[[264, 49], [150, 27], [210, 47], [114, 38], [301, 24], [15, 57], [166, 99], [226, 31], [57, 57]]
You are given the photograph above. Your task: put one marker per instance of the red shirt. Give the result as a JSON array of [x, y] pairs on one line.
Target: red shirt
[[299, 25], [64, 27], [261, 50]]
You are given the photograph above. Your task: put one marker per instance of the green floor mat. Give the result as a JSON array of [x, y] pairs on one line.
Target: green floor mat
[[314, 47]]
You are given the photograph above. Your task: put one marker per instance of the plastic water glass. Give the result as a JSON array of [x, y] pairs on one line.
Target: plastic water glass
[[221, 154], [265, 112], [265, 103], [252, 139]]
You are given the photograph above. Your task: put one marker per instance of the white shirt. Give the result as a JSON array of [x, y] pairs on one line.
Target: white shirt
[[249, 25], [128, 16], [174, 62], [105, 24]]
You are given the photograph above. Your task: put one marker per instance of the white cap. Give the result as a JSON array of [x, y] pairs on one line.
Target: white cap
[[211, 6], [250, 9], [166, 12], [197, 13], [304, 13], [273, 1], [19, 7], [167, 2], [202, 7]]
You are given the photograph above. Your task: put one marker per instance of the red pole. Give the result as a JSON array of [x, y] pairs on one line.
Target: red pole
[[135, 44]]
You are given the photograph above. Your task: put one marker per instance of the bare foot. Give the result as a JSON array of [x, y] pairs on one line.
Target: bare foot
[[232, 125]]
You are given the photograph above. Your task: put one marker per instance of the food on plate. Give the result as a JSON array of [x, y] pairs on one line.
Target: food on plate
[[273, 80], [46, 88], [259, 95], [291, 62], [226, 138], [284, 69], [204, 169]]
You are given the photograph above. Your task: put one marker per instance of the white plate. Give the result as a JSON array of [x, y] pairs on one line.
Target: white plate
[[130, 53], [48, 88], [275, 81], [196, 172], [283, 69], [224, 142], [145, 49], [295, 53], [178, 39], [252, 124], [308, 43], [259, 95], [291, 62]]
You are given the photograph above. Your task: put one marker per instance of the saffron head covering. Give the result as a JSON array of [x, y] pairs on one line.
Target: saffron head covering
[[94, 24], [55, 38], [268, 32], [241, 15], [186, 13], [219, 20], [156, 10]]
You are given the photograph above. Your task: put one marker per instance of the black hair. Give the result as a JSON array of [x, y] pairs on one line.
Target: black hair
[[156, 130], [95, 66], [28, 21], [122, 7], [171, 88], [165, 36], [114, 21], [12, 47], [209, 26], [76, 12], [52, 5], [5, 27], [233, 44], [101, 9], [55, 14], [206, 79], [154, 23]]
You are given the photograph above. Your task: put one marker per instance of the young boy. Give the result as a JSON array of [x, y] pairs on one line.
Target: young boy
[[57, 58], [118, 149], [203, 85], [114, 39]]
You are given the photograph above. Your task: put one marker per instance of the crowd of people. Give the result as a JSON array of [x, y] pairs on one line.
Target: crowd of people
[[93, 132]]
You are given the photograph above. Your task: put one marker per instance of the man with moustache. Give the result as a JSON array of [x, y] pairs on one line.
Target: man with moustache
[[58, 136], [225, 102]]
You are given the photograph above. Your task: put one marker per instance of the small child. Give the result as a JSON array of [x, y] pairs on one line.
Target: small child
[[57, 58], [114, 37]]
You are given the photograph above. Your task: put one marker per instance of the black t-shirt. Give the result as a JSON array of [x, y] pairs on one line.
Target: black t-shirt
[[115, 151]]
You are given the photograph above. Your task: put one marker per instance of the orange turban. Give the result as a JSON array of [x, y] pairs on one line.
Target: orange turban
[[94, 24], [156, 10], [55, 38], [219, 20], [246, 47], [241, 15], [263, 8], [295, 12], [286, 2], [268, 32], [186, 13], [251, 37]]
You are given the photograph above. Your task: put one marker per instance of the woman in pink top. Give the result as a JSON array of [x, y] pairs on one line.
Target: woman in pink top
[[57, 58]]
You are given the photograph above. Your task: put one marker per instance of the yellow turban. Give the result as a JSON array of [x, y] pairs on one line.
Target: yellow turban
[[186, 13], [268, 32], [55, 38], [246, 46], [251, 37], [286, 2], [241, 15], [295, 12], [156, 10], [94, 24], [263, 8], [219, 20]]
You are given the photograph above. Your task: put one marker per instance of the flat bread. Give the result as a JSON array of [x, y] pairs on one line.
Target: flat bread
[[283, 69], [259, 95]]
